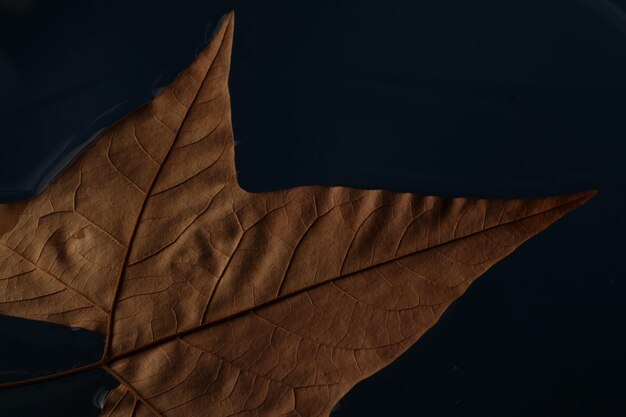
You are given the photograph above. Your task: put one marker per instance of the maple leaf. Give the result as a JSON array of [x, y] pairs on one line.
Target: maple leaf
[[215, 301]]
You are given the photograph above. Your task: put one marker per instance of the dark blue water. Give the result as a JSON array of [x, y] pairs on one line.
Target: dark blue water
[[73, 67], [493, 99]]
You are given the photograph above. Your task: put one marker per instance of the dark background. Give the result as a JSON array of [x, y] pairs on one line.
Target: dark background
[[498, 98]]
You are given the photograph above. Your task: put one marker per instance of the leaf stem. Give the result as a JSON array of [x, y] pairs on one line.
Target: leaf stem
[[51, 377]]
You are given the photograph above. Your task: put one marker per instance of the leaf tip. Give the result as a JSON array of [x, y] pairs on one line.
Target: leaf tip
[[584, 196], [560, 206]]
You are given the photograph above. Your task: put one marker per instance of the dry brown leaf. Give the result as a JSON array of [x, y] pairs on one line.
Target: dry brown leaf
[[218, 302]]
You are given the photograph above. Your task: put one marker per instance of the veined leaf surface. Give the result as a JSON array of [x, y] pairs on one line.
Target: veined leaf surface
[[218, 302]]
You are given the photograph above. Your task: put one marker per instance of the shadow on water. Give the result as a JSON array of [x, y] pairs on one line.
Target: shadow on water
[[491, 99]]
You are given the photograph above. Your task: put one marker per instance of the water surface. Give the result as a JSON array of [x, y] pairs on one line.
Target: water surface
[[491, 99]]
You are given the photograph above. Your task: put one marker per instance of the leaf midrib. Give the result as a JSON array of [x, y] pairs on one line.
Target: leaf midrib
[[280, 298]]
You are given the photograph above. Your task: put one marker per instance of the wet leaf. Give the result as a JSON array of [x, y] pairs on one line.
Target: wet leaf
[[218, 302]]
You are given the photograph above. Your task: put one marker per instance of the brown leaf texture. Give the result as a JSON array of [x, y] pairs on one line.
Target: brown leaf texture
[[220, 302]]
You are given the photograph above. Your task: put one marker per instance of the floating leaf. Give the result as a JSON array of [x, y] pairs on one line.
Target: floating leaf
[[218, 302]]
